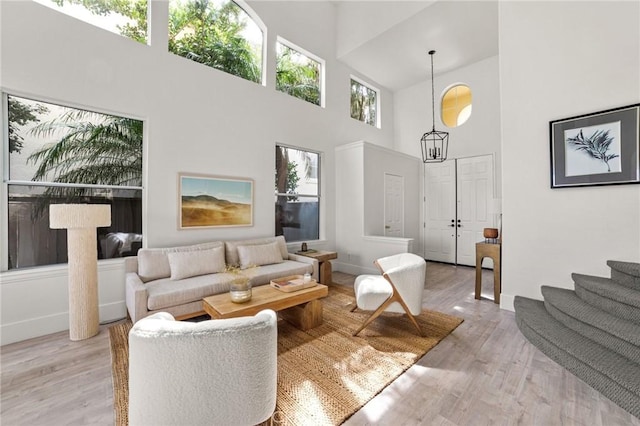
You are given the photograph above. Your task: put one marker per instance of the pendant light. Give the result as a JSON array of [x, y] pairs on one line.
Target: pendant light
[[434, 143]]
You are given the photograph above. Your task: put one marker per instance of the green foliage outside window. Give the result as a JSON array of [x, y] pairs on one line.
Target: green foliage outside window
[[134, 10], [213, 36], [205, 31], [297, 75], [21, 114], [363, 103]]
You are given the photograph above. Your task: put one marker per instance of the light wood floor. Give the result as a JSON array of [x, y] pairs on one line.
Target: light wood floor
[[484, 373]]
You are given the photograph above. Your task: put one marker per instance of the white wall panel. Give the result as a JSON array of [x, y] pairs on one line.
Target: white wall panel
[[549, 71]]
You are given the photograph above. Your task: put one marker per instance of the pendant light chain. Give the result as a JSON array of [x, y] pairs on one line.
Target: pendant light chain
[[433, 96]]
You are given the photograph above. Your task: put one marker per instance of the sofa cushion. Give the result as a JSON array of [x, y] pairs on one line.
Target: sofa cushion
[[231, 248], [165, 293], [185, 264], [259, 254], [153, 263], [264, 274]]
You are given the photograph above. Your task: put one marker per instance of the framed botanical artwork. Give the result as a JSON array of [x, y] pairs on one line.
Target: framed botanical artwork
[[214, 201], [601, 148]]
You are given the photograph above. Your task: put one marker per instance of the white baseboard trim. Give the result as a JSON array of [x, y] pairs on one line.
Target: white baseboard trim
[[113, 311], [506, 302], [49, 324], [34, 327], [352, 269]]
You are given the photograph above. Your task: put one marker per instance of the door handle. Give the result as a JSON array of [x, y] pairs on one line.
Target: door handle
[[459, 226], [452, 226], [387, 227]]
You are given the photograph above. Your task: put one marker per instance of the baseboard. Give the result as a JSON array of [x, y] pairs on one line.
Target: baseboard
[[506, 302], [349, 268], [41, 326]]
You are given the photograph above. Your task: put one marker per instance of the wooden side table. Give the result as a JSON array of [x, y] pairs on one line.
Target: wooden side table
[[493, 251], [323, 258]]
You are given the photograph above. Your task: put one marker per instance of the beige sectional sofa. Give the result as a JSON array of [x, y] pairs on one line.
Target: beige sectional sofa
[[176, 279]]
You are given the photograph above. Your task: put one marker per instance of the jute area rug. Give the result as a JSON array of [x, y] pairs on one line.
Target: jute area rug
[[324, 374]]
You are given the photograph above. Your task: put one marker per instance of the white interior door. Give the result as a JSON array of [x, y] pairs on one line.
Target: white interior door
[[474, 205], [393, 205], [440, 211]]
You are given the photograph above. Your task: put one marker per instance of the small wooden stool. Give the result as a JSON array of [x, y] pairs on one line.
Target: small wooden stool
[[493, 251]]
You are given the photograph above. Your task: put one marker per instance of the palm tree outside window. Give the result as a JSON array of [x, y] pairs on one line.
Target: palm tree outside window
[[59, 154]]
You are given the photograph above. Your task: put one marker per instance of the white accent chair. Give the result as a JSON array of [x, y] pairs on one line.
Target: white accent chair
[[399, 289], [215, 372]]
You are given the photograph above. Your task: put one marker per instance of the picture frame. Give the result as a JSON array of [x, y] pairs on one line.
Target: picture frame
[[601, 148], [207, 201]]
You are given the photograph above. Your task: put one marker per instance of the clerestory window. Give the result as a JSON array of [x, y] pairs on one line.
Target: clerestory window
[[218, 33], [125, 17], [299, 73], [297, 191], [364, 103], [58, 154]]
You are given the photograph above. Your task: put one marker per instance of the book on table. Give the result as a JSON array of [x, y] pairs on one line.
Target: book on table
[[293, 283]]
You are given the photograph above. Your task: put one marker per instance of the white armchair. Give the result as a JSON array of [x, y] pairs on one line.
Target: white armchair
[[216, 372], [399, 289]]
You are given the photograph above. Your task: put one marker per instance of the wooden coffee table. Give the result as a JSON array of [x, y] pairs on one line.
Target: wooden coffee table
[[303, 308]]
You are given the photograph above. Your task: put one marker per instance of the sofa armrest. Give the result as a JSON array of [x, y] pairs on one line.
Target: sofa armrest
[[309, 260], [136, 297], [131, 264]]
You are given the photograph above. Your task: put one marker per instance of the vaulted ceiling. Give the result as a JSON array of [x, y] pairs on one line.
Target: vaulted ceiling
[[388, 41]]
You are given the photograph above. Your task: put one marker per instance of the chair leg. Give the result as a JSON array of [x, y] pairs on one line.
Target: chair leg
[[375, 314], [410, 315]]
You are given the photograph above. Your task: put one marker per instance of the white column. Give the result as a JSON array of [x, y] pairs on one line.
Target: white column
[[81, 221]]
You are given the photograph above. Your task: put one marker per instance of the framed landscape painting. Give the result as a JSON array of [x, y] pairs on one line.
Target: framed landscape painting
[[214, 201], [601, 148]]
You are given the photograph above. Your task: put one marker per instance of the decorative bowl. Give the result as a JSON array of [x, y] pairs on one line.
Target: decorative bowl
[[490, 233]]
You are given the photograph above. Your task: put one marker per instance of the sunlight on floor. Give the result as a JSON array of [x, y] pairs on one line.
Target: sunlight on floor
[[314, 403]]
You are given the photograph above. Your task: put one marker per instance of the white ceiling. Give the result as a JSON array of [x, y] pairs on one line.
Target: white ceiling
[[388, 41]]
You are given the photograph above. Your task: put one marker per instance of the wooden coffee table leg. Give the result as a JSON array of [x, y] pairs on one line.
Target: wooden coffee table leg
[[305, 316]]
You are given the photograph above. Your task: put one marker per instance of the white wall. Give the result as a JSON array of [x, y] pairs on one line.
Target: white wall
[[197, 119], [480, 135], [558, 60], [360, 169]]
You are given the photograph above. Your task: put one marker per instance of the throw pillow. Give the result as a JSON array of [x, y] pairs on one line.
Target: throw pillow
[[193, 263], [259, 254]]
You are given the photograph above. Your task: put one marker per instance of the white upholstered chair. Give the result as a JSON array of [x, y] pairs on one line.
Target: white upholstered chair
[[399, 289], [215, 372]]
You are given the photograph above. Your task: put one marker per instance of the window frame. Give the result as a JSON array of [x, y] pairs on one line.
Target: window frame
[[254, 16], [319, 196], [53, 6], [6, 181], [445, 92], [371, 87], [319, 60], [248, 10]]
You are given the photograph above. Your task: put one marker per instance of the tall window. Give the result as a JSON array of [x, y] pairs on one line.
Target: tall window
[[124, 17], [364, 103], [66, 155], [217, 33], [297, 190], [298, 74]]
